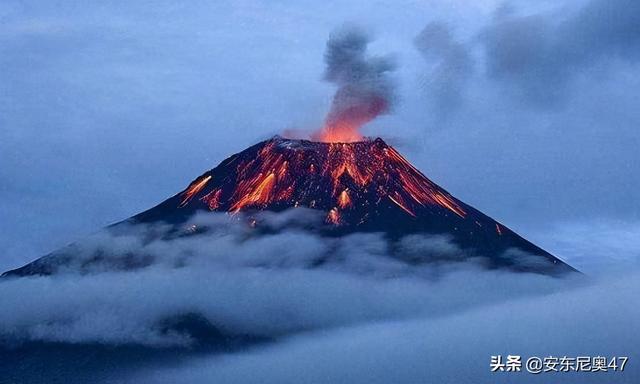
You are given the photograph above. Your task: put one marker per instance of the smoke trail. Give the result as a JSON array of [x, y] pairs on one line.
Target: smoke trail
[[364, 87], [454, 66]]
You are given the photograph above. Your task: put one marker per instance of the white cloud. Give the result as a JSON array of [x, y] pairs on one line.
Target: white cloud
[[597, 320], [119, 288]]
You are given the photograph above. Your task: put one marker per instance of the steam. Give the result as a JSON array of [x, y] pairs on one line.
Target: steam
[[365, 89]]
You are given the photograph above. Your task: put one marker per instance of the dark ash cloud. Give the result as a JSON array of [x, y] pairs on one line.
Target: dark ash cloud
[[541, 54], [360, 316], [453, 66]]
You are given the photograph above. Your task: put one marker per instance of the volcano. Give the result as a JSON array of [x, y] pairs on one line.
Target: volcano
[[362, 186]]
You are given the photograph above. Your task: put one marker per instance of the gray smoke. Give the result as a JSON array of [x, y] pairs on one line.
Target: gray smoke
[[541, 55], [365, 89], [452, 67]]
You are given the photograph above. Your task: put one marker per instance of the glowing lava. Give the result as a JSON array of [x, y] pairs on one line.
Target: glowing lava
[[343, 199], [343, 124], [194, 188], [338, 133], [349, 181], [333, 217]]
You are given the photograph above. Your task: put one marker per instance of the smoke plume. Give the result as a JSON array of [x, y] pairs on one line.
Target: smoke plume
[[364, 87], [453, 67]]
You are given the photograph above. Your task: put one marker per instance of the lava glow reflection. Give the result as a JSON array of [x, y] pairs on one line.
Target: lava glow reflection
[[338, 133]]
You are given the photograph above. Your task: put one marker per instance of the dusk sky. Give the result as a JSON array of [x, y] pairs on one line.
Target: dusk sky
[[526, 110]]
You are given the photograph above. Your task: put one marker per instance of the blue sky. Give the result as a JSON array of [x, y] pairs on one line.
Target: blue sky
[[526, 110]]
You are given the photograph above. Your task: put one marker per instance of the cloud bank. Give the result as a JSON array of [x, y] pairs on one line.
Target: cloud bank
[[598, 320], [120, 286], [359, 315]]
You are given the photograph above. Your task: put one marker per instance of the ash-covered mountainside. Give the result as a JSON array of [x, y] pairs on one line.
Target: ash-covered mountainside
[[364, 186]]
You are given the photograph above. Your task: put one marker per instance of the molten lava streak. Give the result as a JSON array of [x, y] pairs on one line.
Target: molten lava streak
[[349, 181], [343, 200], [333, 217], [257, 192], [193, 189]]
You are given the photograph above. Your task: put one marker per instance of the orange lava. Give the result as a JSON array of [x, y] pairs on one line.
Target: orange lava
[[446, 201], [343, 199], [258, 193], [193, 189], [343, 122], [336, 177], [398, 201], [333, 217], [213, 199], [339, 133]]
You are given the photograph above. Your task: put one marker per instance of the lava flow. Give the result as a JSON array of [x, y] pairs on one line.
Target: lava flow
[[349, 181], [359, 187]]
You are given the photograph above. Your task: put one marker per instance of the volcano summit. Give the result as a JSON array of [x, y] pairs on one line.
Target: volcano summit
[[364, 186]]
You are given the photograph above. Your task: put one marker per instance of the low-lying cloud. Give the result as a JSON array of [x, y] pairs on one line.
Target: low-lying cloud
[[597, 320], [119, 286], [359, 315]]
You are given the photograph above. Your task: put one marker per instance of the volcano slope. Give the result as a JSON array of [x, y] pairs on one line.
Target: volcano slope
[[357, 187]]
